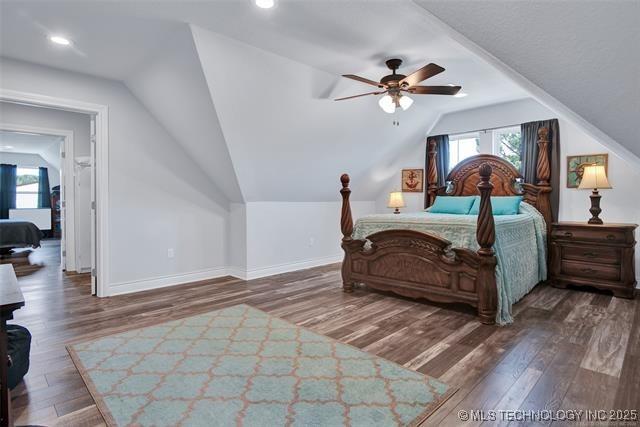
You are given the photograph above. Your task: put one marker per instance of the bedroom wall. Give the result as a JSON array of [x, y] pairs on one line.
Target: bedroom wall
[[619, 204], [412, 157], [173, 89], [28, 160], [287, 236], [159, 198]]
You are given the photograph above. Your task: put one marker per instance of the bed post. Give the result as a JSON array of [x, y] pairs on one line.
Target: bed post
[[543, 172], [346, 226], [432, 171], [486, 236]]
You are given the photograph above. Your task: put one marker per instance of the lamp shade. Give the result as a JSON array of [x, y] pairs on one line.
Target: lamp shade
[[387, 104], [396, 200], [405, 102], [594, 176]]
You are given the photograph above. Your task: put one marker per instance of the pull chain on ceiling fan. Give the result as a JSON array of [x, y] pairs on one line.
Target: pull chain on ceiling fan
[[393, 86]]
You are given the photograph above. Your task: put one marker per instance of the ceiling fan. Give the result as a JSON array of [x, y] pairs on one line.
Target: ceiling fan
[[393, 85]]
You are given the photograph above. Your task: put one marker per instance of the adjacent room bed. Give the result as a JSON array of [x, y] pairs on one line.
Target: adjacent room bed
[[484, 255], [18, 234]]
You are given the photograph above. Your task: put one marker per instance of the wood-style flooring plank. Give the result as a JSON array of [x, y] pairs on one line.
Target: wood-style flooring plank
[[534, 363]]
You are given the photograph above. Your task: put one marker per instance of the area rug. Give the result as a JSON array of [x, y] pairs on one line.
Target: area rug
[[241, 366]]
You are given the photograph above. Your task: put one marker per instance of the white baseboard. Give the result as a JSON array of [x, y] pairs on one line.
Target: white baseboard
[[257, 273], [164, 281], [239, 272]]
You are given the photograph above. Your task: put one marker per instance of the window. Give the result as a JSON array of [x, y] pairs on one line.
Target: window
[[27, 188], [507, 144], [461, 147]]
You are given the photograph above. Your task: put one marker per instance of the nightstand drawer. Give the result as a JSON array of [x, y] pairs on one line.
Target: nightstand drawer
[[590, 270], [603, 255], [589, 234]]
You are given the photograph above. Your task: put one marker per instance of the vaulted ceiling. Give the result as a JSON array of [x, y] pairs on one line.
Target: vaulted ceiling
[[45, 146], [248, 92], [584, 54]]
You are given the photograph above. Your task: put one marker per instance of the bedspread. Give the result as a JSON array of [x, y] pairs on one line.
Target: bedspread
[[520, 245]]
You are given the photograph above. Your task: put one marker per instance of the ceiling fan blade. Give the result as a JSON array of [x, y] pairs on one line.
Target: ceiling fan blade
[[434, 90], [423, 73], [358, 96], [363, 80]]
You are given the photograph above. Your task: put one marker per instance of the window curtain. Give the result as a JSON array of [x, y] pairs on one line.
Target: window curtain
[[529, 154], [8, 174], [44, 192], [442, 162]]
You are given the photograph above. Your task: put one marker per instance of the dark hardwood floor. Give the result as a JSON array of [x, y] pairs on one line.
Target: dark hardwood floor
[[568, 349]]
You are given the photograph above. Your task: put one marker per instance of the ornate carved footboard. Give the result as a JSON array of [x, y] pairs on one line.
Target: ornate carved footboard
[[420, 265]]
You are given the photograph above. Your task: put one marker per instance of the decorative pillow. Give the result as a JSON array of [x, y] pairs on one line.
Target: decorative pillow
[[500, 205], [459, 205]]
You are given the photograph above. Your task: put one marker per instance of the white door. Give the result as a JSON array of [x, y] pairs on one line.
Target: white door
[[63, 216], [93, 207]]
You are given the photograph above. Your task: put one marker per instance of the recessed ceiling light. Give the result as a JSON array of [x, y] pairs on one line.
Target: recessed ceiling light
[[6, 147], [460, 95], [265, 4], [59, 40]]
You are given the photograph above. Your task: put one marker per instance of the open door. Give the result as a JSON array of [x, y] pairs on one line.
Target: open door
[[63, 214], [94, 277]]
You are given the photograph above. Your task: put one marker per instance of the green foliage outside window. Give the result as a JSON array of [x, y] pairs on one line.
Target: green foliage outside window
[[510, 146], [26, 179]]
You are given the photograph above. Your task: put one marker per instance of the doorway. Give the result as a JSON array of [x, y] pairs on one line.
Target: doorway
[[101, 150], [55, 189]]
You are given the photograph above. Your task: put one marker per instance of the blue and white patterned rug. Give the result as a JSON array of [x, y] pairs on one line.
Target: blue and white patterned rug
[[241, 366]]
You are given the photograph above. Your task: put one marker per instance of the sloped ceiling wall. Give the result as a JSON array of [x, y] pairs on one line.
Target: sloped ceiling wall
[[173, 88], [585, 54], [288, 140]]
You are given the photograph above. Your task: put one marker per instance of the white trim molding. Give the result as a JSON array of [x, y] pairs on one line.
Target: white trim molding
[[164, 281], [257, 273], [101, 113]]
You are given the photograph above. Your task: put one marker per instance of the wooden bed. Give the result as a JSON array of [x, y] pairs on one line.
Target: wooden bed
[[421, 265]]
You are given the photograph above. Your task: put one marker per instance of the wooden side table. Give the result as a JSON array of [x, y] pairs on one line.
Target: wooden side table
[[598, 255]]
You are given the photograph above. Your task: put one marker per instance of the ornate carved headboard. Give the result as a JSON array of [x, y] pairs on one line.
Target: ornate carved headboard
[[465, 176], [507, 181]]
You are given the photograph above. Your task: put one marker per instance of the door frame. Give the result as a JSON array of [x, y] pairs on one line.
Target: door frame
[[101, 113], [66, 169]]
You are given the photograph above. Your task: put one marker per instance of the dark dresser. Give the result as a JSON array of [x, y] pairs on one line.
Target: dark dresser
[[595, 255]]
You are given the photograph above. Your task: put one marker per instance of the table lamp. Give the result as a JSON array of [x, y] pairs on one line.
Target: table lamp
[[594, 177], [396, 201]]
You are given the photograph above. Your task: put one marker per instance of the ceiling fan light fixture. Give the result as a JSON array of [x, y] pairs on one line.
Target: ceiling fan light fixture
[[387, 104], [405, 102]]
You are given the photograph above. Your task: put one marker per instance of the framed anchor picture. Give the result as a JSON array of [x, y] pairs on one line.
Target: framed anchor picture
[[413, 180]]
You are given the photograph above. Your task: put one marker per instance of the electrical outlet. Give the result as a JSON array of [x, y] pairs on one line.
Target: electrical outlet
[[170, 253]]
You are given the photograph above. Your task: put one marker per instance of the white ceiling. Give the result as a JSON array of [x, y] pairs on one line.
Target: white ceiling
[[270, 77], [106, 43], [46, 146], [584, 55], [115, 39]]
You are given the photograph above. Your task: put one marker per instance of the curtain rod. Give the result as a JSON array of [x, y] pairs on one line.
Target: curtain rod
[[486, 129]]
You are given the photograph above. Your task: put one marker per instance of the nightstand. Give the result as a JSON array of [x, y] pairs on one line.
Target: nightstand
[[598, 255]]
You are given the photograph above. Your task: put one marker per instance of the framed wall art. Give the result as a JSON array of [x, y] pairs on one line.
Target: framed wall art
[[575, 166], [413, 180]]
